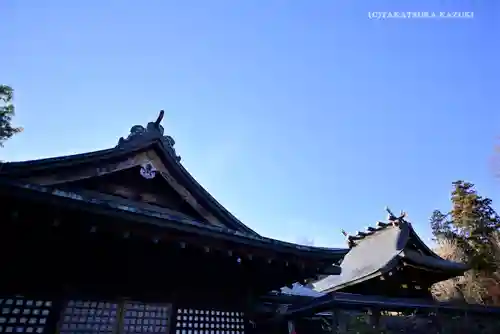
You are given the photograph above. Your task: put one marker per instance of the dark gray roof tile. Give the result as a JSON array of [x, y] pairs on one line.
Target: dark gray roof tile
[[380, 250]]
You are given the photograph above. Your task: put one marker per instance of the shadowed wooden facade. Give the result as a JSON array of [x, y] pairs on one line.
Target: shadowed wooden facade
[[124, 240]]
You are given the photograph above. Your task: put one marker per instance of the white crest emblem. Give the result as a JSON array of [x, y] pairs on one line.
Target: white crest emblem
[[148, 171]]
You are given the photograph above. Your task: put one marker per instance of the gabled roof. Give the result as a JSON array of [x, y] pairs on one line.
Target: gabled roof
[[149, 217], [149, 141], [54, 188], [380, 249], [46, 178]]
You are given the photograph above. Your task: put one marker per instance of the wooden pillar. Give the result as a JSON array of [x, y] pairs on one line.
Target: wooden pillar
[[249, 319], [436, 322], [291, 327], [334, 321], [173, 318], [56, 311], [120, 310], [341, 321], [374, 318], [465, 320]]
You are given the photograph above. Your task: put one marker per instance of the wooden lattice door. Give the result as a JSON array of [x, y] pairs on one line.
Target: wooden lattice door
[[128, 317], [145, 318], [208, 321], [89, 317], [24, 315]]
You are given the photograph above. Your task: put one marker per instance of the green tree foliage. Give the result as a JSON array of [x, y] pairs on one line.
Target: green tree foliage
[[472, 226], [472, 223], [441, 226], [7, 111]]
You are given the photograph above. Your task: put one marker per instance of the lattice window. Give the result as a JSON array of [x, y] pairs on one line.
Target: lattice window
[[85, 317], [192, 321], [23, 315], [146, 318]]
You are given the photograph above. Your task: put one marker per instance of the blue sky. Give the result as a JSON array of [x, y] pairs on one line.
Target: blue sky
[[301, 117]]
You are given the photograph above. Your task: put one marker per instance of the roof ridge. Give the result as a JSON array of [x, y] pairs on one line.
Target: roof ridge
[[392, 221], [154, 130]]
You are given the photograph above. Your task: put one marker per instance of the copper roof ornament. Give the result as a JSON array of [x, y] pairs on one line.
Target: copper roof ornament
[[393, 219], [160, 118], [390, 215], [153, 130]]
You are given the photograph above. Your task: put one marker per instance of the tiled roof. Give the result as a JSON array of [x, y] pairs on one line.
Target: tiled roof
[[353, 240], [378, 249], [140, 138]]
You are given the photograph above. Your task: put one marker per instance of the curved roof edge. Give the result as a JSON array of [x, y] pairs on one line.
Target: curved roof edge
[[300, 290], [23, 168], [326, 287], [437, 263], [354, 273], [140, 138], [159, 219]]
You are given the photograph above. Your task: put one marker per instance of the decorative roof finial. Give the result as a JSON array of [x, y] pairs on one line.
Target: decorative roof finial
[[395, 220], [154, 130], [160, 117], [391, 216]]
